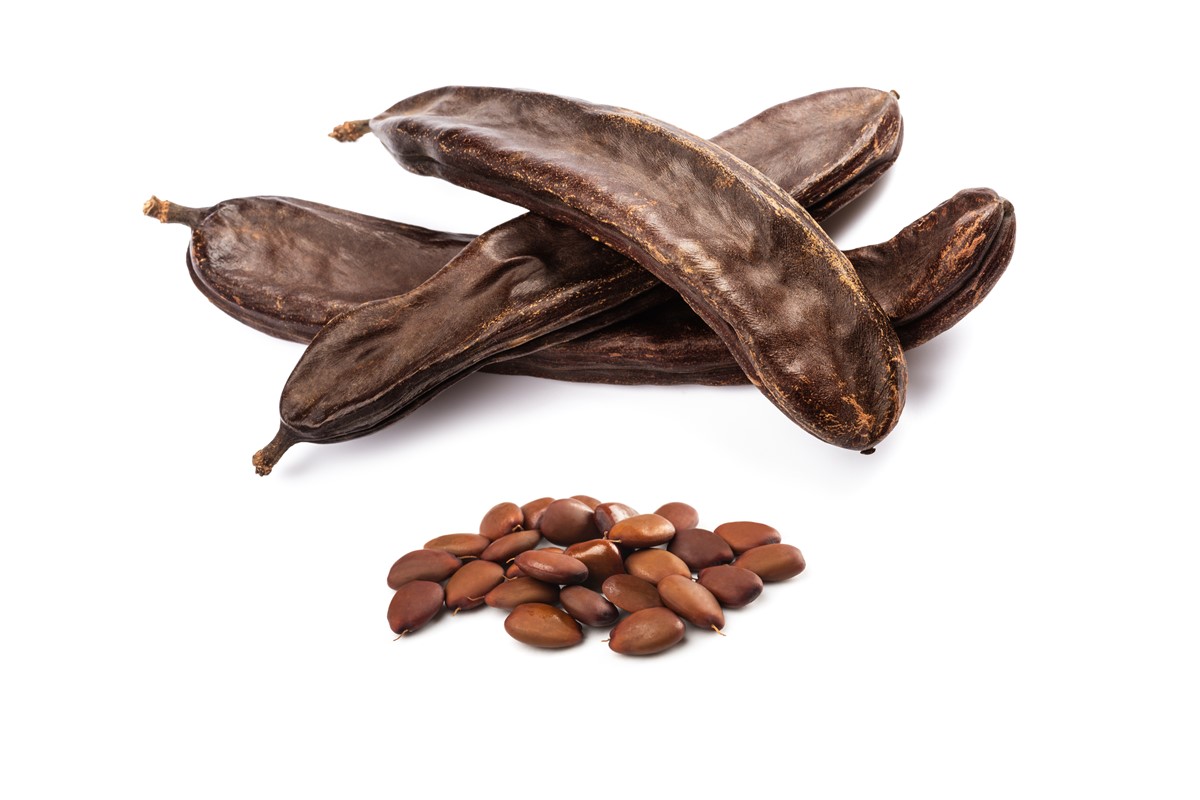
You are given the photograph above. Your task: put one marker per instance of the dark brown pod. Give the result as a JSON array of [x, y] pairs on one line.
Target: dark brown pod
[[654, 564], [551, 567], [742, 536], [644, 530], [500, 520], [745, 256], [510, 594], [646, 632], [700, 548], [733, 587], [631, 594], [463, 545], [589, 607], [602, 557], [423, 565], [692, 601], [542, 625], [567, 521], [468, 587], [531, 513], [772, 562], [681, 515], [609, 514], [413, 605], [508, 547]]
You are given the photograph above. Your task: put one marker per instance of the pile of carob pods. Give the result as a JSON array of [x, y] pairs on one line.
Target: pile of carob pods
[[650, 256], [609, 559]]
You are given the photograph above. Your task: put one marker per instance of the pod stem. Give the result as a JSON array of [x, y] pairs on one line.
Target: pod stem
[[166, 211], [351, 130], [264, 460]]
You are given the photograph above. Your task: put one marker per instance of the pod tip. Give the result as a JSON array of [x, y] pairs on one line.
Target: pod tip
[[351, 130], [166, 211], [266, 459]]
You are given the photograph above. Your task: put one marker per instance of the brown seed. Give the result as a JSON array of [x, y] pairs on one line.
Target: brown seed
[[743, 536], [543, 625], [733, 587], [589, 607], [503, 518], [507, 547], [602, 557], [511, 594], [653, 565], [631, 594], [531, 513], [646, 632], [568, 521], [590, 502], [644, 530], [467, 587], [463, 545], [423, 565], [413, 605], [772, 562], [609, 514], [700, 548], [551, 567], [681, 515], [513, 571], [691, 601]]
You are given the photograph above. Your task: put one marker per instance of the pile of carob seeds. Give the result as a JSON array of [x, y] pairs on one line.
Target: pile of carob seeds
[[607, 559], [650, 256]]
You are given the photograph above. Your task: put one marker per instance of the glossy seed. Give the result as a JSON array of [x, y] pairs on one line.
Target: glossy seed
[[733, 587], [501, 519], [414, 604], [681, 515], [631, 594], [509, 546], [510, 594], [772, 562], [691, 601], [602, 557], [542, 625], [568, 521], [654, 564], [700, 548], [463, 545], [531, 512], [552, 567], [743, 536], [609, 514], [646, 632], [587, 500], [423, 565], [469, 586], [589, 607], [644, 530]]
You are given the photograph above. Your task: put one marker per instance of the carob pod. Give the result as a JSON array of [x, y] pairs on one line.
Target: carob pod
[[744, 255]]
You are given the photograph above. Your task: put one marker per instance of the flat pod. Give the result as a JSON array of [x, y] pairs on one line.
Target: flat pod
[[463, 545], [468, 587], [542, 625], [644, 530], [743, 536], [589, 607], [747, 258], [691, 601], [423, 565], [631, 594], [699, 548], [733, 587], [510, 594], [773, 562], [500, 520], [602, 558], [646, 632], [413, 605], [551, 567], [510, 546], [653, 565]]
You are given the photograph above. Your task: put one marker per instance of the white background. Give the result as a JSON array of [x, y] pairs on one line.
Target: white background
[[1001, 602]]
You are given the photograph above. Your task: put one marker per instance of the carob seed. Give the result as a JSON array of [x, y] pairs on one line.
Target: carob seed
[[681, 515], [602, 557], [413, 605], [653, 565], [510, 546], [468, 587], [733, 587], [691, 601], [589, 607], [423, 565], [568, 521], [463, 545], [531, 513], [646, 632], [609, 514], [542, 625], [510, 594], [772, 562], [502, 519], [644, 530], [552, 567], [631, 594], [700, 548], [742, 536]]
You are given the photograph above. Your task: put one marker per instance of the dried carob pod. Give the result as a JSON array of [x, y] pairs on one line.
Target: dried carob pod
[[743, 254]]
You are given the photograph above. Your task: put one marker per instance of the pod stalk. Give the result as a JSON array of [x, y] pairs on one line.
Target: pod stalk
[[351, 130], [264, 460], [166, 211]]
